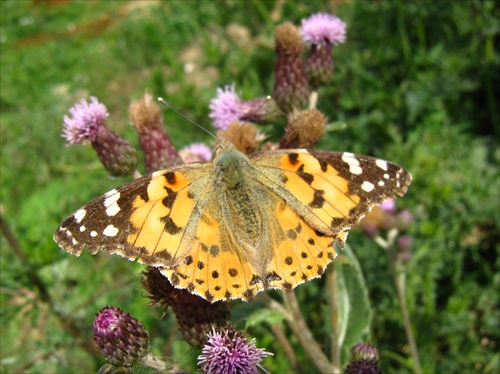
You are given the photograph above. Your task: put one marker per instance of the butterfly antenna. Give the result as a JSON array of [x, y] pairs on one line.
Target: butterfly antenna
[[264, 102], [161, 100]]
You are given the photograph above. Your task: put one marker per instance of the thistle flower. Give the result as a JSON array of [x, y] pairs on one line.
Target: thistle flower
[[227, 108], [86, 125], [121, 338], [363, 359], [304, 130], [228, 351], [321, 31], [291, 90], [159, 152], [388, 206], [195, 152], [196, 316]]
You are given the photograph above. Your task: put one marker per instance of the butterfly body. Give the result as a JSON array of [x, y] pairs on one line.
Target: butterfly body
[[238, 225]]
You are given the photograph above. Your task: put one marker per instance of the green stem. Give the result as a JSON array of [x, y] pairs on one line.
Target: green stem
[[399, 278], [333, 296]]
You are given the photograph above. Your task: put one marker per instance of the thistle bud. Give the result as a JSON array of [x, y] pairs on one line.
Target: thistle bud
[[304, 130], [121, 338], [195, 315], [363, 359], [246, 139], [291, 90], [87, 126], [159, 152], [262, 111]]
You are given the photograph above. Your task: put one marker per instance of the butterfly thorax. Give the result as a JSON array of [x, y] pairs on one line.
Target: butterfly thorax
[[231, 166], [233, 172]]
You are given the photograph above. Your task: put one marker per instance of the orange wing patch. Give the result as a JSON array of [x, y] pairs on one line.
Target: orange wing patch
[[156, 231], [303, 255], [214, 267]]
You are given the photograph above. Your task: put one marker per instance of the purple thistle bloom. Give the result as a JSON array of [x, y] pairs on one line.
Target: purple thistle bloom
[[323, 28], [86, 120], [87, 125], [388, 206], [228, 351], [226, 107], [196, 152]]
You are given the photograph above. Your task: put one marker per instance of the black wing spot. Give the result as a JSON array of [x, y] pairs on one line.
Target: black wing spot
[[233, 272], [170, 226], [293, 158], [170, 177]]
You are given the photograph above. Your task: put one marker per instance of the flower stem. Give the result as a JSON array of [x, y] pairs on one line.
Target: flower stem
[[333, 296], [299, 326], [399, 278]]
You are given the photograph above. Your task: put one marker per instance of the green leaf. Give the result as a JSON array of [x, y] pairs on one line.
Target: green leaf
[[355, 312], [264, 315]]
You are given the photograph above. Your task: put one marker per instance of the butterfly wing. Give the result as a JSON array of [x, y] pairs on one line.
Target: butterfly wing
[[152, 219], [332, 191]]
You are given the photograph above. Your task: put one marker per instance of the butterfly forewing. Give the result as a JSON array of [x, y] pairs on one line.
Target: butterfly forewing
[[332, 190], [146, 219]]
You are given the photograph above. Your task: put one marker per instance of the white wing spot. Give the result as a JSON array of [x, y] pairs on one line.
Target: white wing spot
[[354, 165], [381, 164], [355, 169], [82, 228], [157, 173], [367, 186], [386, 176], [112, 192], [381, 183], [110, 230], [93, 234], [79, 214], [112, 210], [112, 207]]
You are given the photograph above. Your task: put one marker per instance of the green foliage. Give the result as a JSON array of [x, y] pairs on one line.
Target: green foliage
[[416, 83], [354, 306]]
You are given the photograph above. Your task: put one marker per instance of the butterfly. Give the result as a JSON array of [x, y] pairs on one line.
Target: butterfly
[[233, 227]]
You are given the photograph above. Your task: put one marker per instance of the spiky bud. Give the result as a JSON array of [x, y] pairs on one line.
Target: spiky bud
[[246, 139], [159, 152], [291, 90], [304, 130], [363, 360], [195, 315], [121, 338]]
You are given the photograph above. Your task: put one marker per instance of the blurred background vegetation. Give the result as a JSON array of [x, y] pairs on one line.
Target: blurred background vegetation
[[416, 83]]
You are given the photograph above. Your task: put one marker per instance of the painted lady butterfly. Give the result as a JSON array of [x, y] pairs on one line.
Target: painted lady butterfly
[[236, 226]]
